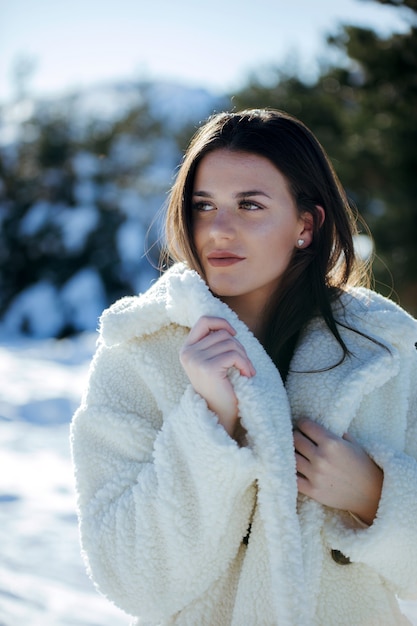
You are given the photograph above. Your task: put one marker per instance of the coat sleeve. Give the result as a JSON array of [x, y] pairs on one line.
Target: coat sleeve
[[163, 500], [389, 545]]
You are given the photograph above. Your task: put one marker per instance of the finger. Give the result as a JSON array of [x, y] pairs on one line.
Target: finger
[[317, 433], [219, 338], [225, 351], [350, 438], [303, 485], [304, 446], [232, 358], [216, 353], [214, 343], [229, 355], [303, 465], [207, 324]]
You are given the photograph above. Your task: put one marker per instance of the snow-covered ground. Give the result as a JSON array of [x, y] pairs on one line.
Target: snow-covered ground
[[42, 578]]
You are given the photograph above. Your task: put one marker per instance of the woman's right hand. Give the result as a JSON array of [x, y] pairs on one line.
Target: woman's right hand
[[206, 356]]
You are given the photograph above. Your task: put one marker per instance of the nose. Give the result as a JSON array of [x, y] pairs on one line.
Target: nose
[[223, 224]]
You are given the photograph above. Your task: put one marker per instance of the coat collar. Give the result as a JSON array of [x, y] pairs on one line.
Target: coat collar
[[375, 331], [331, 395]]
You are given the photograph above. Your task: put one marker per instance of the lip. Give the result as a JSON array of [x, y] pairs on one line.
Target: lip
[[223, 258]]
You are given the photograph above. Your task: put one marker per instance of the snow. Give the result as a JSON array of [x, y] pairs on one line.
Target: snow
[[76, 223], [36, 310], [129, 238], [85, 191], [85, 164], [364, 246], [35, 218], [42, 310], [83, 298], [42, 576], [178, 107]]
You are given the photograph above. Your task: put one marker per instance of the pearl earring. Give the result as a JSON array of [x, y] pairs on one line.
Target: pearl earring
[[300, 242]]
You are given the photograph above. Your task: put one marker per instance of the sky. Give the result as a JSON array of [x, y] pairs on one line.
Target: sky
[[216, 44]]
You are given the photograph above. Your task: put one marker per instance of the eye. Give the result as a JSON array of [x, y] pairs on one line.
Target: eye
[[247, 205], [202, 207]]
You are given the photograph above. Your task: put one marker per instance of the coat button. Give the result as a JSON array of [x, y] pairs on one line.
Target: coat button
[[339, 558]]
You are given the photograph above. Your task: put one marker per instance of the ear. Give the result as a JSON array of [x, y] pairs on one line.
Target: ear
[[321, 215], [307, 221]]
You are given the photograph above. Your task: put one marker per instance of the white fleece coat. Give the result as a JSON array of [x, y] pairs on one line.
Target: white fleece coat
[[165, 496]]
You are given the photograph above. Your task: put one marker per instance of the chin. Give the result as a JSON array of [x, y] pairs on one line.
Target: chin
[[224, 287]]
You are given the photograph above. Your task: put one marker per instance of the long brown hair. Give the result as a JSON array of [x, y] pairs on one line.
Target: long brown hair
[[316, 274]]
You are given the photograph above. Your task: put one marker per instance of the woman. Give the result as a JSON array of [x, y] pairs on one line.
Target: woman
[[245, 453]]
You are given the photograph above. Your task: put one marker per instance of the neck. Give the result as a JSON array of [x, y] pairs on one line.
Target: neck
[[250, 313]]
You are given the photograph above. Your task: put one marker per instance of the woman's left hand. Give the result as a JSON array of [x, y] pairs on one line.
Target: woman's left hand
[[336, 471]]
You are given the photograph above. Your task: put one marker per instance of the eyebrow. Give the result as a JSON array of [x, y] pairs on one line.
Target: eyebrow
[[240, 195]]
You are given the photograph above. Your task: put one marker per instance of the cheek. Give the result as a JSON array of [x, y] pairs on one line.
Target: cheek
[[196, 235], [281, 247]]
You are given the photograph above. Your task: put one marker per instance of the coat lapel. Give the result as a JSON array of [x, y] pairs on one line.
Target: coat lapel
[[266, 415], [332, 396]]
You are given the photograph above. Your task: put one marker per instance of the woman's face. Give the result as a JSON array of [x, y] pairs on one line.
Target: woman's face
[[245, 226]]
